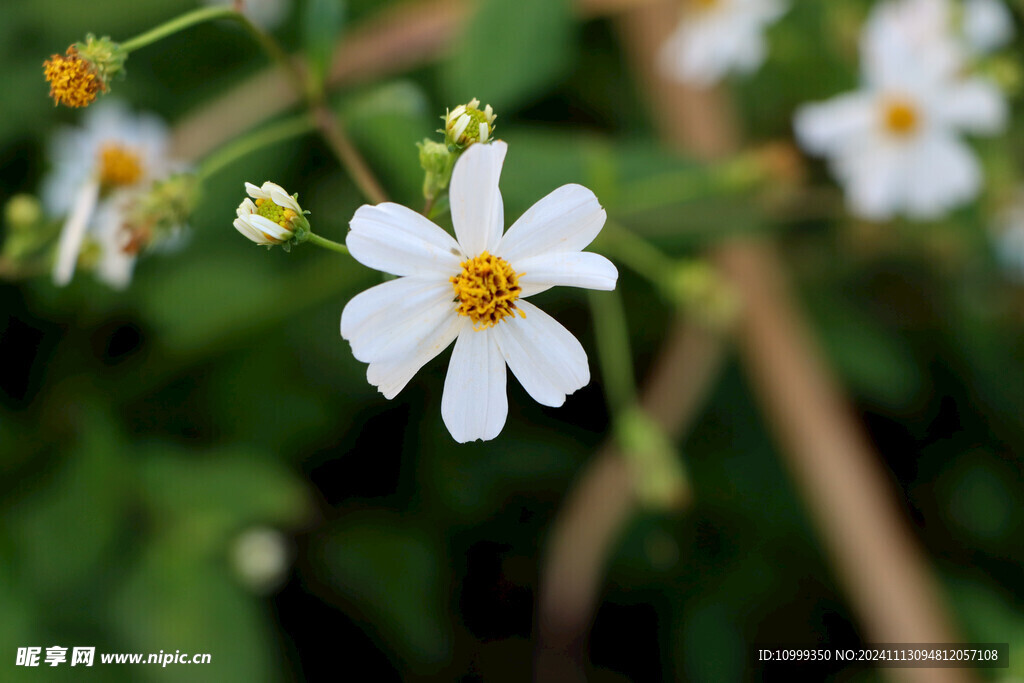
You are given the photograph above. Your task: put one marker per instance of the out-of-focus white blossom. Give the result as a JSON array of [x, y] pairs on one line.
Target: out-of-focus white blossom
[[718, 37]]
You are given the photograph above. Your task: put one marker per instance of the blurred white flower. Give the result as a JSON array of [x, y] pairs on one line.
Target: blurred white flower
[[115, 261], [471, 290], [895, 144], [115, 154], [267, 14], [271, 218], [987, 24], [261, 556], [718, 37]]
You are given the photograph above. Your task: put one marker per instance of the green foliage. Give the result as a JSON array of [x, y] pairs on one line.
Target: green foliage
[[509, 53]]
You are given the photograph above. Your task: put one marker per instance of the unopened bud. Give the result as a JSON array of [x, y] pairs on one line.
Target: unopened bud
[[467, 124], [437, 163], [272, 216]]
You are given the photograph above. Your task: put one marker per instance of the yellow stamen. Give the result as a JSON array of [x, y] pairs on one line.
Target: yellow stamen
[[118, 166], [486, 290], [73, 81], [901, 117], [278, 214]]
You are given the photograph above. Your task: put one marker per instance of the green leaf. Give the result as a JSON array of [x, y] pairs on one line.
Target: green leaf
[[510, 52], [321, 26], [392, 574]]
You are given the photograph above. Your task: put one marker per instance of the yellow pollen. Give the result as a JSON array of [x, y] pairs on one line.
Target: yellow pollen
[[486, 290], [73, 82], [118, 166], [901, 117], [278, 214]]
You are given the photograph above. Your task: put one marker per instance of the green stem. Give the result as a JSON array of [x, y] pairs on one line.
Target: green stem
[[613, 352], [269, 135], [327, 244], [171, 27], [625, 246]]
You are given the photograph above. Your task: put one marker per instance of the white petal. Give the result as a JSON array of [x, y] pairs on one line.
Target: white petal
[[246, 208], [390, 377], [478, 214], [568, 219], [544, 356], [826, 126], [388, 321], [283, 199], [249, 232], [399, 241], [988, 24], [942, 174], [974, 105], [73, 233], [567, 269], [256, 192], [267, 227], [474, 404]]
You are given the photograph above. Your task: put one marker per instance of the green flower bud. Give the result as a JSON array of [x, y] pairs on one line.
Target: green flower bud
[[437, 163], [467, 124]]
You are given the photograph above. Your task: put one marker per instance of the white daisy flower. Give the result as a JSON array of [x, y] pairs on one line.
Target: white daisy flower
[[472, 290], [116, 152], [895, 144], [271, 218], [267, 14], [717, 37]]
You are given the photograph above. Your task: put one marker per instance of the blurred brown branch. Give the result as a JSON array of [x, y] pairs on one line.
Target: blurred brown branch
[[393, 41]]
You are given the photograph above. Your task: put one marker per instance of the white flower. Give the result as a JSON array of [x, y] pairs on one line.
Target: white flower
[[895, 144], [114, 154], [260, 556], [716, 37], [267, 14], [472, 290], [987, 24], [270, 219]]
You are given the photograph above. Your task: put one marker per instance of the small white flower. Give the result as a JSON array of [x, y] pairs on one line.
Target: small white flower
[[261, 556], [270, 219], [895, 144], [472, 291], [717, 37], [114, 154], [267, 14], [467, 123]]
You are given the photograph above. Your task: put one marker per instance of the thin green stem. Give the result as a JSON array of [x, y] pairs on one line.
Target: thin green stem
[[327, 244], [242, 147], [613, 352], [337, 139], [171, 27], [625, 246]]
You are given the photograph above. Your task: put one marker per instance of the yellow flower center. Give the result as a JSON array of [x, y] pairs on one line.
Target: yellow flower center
[[486, 290], [901, 117], [275, 213], [119, 166], [73, 82]]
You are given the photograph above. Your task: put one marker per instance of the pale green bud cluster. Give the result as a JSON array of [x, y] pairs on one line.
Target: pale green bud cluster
[[659, 480], [702, 292], [437, 163], [27, 237], [162, 210], [106, 56]]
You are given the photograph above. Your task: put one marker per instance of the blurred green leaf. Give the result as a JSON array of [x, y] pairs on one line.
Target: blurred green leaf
[[322, 22], [509, 53], [393, 574]]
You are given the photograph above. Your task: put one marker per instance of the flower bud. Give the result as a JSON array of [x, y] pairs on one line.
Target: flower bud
[[467, 124], [437, 163], [275, 217], [22, 212]]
